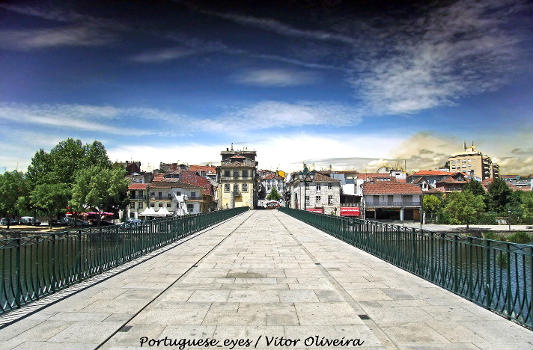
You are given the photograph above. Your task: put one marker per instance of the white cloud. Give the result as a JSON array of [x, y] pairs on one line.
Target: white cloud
[[458, 50], [275, 77], [284, 29], [275, 114], [164, 55], [284, 152], [70, 117], [74, 35]]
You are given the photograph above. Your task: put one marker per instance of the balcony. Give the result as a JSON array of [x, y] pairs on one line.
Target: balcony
[[195, 198], [392, 204]]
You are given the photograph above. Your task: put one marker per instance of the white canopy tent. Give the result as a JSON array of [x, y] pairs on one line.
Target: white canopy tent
[[148, 212], [163, 212]]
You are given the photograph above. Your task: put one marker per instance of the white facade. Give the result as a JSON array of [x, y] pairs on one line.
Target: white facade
[[324, 195]]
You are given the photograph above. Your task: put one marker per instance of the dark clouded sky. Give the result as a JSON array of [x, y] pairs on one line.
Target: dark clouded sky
[[342, 82]]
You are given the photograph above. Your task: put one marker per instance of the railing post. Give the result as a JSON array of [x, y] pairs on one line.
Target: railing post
[[53, 276], [488, 291], [415, 255], [509, 291], [470, 278], [456, 261], [80, 252], [18, 284], [432, 256]]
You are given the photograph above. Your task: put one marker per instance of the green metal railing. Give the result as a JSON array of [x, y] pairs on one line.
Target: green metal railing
[[494, 274], [37, 265]]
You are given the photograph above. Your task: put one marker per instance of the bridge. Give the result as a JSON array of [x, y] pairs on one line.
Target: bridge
[[265, 279]]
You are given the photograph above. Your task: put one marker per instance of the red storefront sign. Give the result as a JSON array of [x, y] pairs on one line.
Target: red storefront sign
[[350, 211], [316, 210]]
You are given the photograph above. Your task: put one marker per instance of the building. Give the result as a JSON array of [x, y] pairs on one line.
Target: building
[[270, 180], [138, 200], [207, 171], [428, 179], [237, 178], [177, 197], [473, 163], [392, 201], [321, 195]]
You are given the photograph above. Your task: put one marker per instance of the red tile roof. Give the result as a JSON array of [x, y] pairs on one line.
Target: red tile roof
[[432, 173], [206, 168], [390, 188], [137, 187], [192, 178], [368, 176], [449, 180]]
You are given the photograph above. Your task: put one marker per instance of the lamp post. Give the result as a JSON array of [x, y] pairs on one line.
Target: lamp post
[[306, 176], [509, 218]]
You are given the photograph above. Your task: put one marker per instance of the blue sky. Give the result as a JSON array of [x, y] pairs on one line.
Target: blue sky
[[354, 86]]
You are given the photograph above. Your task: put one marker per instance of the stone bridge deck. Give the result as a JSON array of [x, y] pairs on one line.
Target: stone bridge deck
[[262, 274]]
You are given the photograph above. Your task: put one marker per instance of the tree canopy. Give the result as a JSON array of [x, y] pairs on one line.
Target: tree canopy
[[274, 195], [463, 207]]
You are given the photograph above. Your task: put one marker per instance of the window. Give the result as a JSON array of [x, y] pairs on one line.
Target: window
[[245, 173], [190, 208], [160, 194], [152, 194], [236, 188], [160, 205], [193, 194], [140, 205], [235, 173], [132, 205], [227, 173], [245, 187], [306, 200], [178, 193], [329, 186], [132, 216], [330, 200], [226, 188], [318, 187], [152, 205], [317, 200], [168, 205]]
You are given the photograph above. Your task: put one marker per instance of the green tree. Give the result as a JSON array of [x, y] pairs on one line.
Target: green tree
[[96, 154], [475, 187], [515, 208], [51, 199], [274, 195], [100, 189], [432, 204], [464, 207], [498, 196], [12, 187], [40, 169], [527, 204]]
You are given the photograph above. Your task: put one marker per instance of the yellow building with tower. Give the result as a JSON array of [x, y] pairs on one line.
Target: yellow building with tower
[[237, 179], [473, 162]]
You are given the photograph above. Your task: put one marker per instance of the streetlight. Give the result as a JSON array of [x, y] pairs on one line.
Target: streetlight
[[509, 218], [306, 176]]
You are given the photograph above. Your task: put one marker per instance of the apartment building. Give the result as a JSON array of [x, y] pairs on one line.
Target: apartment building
[[473, 163], [237, 178]]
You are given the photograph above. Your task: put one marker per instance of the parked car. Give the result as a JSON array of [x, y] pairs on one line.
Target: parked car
[[3, 221], [70, 221], [30, 220], [131, 223]]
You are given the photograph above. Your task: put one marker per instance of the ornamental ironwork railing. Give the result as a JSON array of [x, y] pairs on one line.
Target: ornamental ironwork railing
[[33, 266], [494, 274]]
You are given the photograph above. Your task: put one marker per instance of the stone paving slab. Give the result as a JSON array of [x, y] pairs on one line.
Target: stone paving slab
[[273, 278]]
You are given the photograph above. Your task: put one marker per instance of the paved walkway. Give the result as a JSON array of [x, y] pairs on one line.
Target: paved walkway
[[264, 274]]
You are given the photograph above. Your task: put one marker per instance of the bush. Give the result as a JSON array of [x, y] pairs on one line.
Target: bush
[[494, 236], [520, 237], [488, 218]]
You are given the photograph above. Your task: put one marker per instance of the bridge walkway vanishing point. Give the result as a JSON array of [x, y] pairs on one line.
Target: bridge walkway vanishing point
[[264, 273]]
